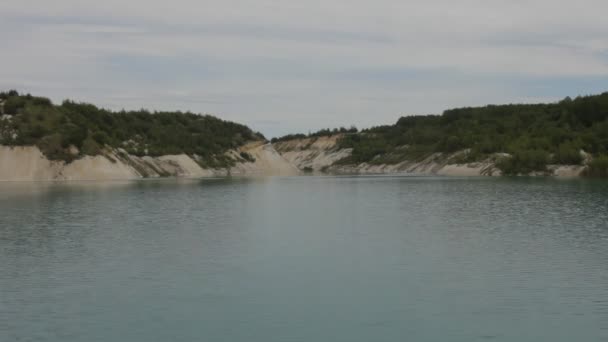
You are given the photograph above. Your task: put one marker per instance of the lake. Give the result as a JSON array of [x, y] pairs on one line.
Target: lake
[[305, 259]]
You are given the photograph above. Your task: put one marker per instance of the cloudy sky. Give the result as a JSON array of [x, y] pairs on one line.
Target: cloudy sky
[[287, 66]]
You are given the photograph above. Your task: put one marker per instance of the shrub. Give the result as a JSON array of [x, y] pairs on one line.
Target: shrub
[[51, 146], [101, 138], [451, 144], [41, 101], [73, 135], [36, 131], [13, 104], [90, 147], [288, 137], [524, 162], [567, 155], [598, 167], [248, 157]]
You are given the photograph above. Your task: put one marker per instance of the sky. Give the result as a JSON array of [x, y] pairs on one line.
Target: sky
[[298, 66]]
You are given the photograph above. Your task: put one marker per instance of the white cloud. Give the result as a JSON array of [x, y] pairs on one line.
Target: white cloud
[[300, 65]]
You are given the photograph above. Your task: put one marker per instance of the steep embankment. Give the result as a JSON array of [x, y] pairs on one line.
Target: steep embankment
[[76, 141], [268, 162], [323, 154], [287, 158], [41, 141], [312, 154], [27, 163]]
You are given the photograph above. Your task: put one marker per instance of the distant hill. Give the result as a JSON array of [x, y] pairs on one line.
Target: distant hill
[[72, 130], [516, 138], [512, 139]]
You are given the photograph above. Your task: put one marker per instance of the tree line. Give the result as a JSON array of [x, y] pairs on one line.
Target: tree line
[[55, 128], [533, 135], [325, 132]]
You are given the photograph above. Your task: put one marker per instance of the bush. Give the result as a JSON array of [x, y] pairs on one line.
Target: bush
[[36, 131], [248, 157], [326, 132], [13, 104], [73, 135], [101, 138], [567, 155], [451, 144], [288, 137], [524, 162], [51, 147], [598, 167], [41, 101], [90, 147]]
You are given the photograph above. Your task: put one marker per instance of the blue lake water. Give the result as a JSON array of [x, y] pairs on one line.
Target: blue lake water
[[305, 259]]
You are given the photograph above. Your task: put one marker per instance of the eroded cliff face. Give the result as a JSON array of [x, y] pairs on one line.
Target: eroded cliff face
[[435, 164], [287, 158], [27, 163], [268, 162], [313, 154], [321, 154]]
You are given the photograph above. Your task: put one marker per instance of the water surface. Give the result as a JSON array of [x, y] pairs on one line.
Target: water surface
[[305, 259]]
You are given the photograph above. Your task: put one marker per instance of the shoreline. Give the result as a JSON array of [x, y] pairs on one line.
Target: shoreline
[[28, 164]]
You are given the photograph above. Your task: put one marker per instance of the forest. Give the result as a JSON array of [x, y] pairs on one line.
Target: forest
[[31, 120], [320, 133], [523, 137]]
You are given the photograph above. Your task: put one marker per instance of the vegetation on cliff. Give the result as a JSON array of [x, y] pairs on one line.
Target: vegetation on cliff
[[321, 133], [57, 129], [533, 135]]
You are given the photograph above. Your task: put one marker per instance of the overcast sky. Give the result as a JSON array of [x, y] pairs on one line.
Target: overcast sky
[[294, 66]]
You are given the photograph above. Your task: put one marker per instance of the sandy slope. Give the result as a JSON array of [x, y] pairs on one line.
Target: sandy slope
[[268, 162], [314, 154], [29, 164], [281, 159], [321, 154]]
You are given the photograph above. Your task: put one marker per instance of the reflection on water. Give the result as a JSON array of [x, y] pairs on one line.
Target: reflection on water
[[305, 258]]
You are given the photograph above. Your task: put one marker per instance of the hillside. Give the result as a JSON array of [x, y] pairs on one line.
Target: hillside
[[511, 139], [41, 141], [71, 131]]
